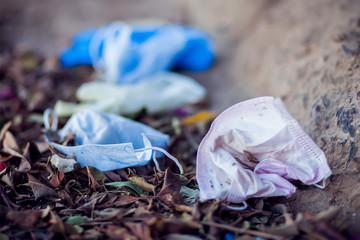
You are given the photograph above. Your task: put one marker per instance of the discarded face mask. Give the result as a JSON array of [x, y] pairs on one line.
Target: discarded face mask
[[109, 142], [163, 92], [252, 149], [130, 53]]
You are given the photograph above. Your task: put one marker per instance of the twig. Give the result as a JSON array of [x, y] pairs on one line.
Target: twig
[[244, 231], [191, 139], [8, 203]]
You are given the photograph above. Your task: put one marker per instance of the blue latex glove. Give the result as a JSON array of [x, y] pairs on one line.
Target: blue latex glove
[[140, 51]]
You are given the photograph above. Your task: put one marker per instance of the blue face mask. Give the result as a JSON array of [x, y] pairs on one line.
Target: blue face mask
[[109, 142]]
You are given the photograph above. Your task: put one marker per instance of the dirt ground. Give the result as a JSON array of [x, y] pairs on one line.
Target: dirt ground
[[290, 49]]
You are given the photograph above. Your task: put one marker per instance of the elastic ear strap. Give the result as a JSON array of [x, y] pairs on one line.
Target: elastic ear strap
[[156, 163], [322, 185], [46, 119], [238, 208], [164, 152]]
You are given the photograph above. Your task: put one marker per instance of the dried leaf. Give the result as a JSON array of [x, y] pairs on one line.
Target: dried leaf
[[171, 225], [45, 212], [4, 157], [176, 236], [4, 237], [120, 233], [91, 234], [131, 185], [64, 195], [109, 213], [190, 195], [32, 152], [24, 165], [113, 176], [289, 229], [92, 182], [125, 200], [199, 117], [170, 191], [97, 174], [259, 205], [24, 218], [78, 229], [327, 215], [140, 230], [142, 183], [57, 178], [96, 198], [3, 166], [11, 151], [76, 220], [58, 226], [183, 208], [328, 232], [280, 208], [39, 189], [9, 142], [7, 179], [3, 131]]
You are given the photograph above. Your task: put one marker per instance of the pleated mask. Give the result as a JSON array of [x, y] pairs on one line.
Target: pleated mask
[[109, 142], [253, 149]]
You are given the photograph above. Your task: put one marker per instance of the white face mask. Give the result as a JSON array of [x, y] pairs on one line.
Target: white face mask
[[251, 150], [109, 142]]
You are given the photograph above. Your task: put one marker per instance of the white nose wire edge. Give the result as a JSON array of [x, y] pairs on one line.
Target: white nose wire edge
[[46, 118]]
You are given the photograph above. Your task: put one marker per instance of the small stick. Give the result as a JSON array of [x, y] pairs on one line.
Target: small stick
[[244, 231]]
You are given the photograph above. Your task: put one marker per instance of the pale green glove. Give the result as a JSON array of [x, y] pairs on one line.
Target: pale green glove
[[162, 92]]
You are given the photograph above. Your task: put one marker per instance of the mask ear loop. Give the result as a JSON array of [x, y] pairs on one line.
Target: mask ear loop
[[245, 206], [322, 185], [164, 152], [156, 163], [46, 118]]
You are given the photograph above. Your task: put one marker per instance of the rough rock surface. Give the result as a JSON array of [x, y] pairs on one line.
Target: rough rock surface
[[295, 51], [306, 53], [302, 51]]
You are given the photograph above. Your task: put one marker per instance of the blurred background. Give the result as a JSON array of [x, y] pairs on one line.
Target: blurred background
[[260, 44], [47, 26]]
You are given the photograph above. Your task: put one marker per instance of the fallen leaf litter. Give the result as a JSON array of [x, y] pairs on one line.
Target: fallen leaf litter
[[41, 198]]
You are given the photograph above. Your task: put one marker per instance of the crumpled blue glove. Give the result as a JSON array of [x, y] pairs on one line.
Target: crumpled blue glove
[[127, 54]]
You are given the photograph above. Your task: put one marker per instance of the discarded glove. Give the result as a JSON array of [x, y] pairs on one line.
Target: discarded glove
[[162, 92], [128, 54], [252, 149], [109, 142]]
